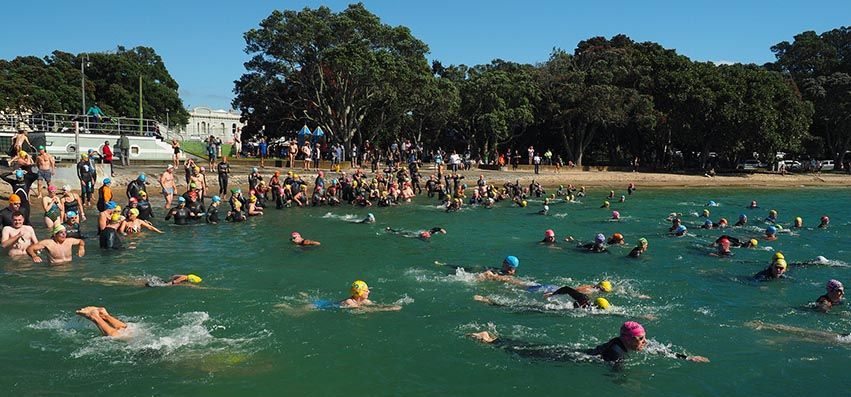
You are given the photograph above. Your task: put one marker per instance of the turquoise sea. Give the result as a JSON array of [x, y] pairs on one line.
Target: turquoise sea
[[243, 329]]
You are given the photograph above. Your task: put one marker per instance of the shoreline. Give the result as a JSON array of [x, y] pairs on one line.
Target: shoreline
[[615, 180]]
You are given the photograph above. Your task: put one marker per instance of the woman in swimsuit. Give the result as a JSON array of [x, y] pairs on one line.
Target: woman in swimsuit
[[53, 209]]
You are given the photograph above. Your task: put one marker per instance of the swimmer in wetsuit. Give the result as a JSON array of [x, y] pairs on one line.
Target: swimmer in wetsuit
[[632, 338], [598, 246], [770, 233], [743, 220], [825, 221], [723, 248], [177, 279], [776, 270], [296, 238], [833, 297], [616, 239], [549, 237], [109, 237], [181, 213], [213, 210], [639, 249], [369, 218]]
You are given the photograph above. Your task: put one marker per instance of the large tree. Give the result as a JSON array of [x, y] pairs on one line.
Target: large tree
[[346, 72]]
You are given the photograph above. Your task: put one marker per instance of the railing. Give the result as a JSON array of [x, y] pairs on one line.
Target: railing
[[67, 123]]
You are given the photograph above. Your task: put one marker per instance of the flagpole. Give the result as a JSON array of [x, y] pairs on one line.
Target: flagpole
[[141, 114]]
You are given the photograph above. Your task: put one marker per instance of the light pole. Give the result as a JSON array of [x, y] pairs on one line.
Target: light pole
[[84, 59], [166, 123]]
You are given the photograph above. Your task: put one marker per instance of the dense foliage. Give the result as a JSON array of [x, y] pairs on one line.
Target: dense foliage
[[52, 84]]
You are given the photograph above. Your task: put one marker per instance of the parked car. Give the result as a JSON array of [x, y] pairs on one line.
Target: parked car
[[827, 165], [750, 165], [792, 165]]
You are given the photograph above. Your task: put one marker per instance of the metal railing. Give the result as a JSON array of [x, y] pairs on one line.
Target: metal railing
[[67, 123]]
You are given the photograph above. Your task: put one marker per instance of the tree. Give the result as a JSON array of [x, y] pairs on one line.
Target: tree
[[346, 72]]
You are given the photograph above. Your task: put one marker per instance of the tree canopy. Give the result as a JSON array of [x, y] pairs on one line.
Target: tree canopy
[[52, 84]]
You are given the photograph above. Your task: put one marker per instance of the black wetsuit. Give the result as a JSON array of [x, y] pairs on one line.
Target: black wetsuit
[[765, 275], [213, 214], [253, 180], [611, 351], [181, 215], [635, 253], [580, 299], [21, 187], [134, 188], [594, 247], [146, 212], [110, 239], [87, 181], [72, 206], [223, 170]]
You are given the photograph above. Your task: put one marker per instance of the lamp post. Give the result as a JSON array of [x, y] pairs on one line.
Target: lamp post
[[84, 59], [166, 123]]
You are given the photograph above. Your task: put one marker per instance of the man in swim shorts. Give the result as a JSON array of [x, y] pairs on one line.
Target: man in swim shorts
[[168, 186], [18, 237], [58, 247], [46, 168]]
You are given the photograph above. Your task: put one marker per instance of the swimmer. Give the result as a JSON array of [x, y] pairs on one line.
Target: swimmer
[[369, 218], [622, 199], [639, 249], [616, 239], [181, 214], [545, 210], [296, 238], [611, 194], [776, 270], [606, 204], [177, 279], [807, 334], [135, 225], [833, 297], [109, 237], [772, 216], [707, 224], [18, 237], [675, 223], [108, 325], [213, 210], [599, 244], [711, 203], [770, 233], [705, 213], [58, 247], [753, 205], [632, 339], [631, 188], [743, 220], [549, 237], [825, 221], [799, 223], [581, 301], [723, 248], [722, 223], [506, 274], [360, 299], [680, 231], [585, 289], [616, 216]]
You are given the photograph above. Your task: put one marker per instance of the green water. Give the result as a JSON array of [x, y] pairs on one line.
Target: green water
[[230, 337]]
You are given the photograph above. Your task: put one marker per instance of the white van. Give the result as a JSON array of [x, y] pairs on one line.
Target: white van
[[827, 165]]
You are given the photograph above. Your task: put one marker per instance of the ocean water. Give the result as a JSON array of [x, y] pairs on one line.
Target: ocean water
[[245, 328]]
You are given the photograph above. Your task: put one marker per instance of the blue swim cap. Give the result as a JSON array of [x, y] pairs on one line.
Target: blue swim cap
[[254, 169], [369, 215], [708, 222], [19, 174], [512, 261], [711, 203], [216, 199], [600, 238], [681, 229], [107, 181], [111, 205], [771, 230], [142, 177], [743, 216], [181, 199], [70, 214]]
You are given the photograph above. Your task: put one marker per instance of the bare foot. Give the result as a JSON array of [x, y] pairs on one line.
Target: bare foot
[[102, 311], [87, 311], [483, 336]]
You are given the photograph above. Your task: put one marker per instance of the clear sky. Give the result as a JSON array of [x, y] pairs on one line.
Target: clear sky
[[202, 46]]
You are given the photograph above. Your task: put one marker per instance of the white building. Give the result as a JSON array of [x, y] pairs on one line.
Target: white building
[[204, 122]]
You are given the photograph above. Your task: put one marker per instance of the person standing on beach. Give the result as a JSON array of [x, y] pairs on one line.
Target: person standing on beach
[[124, 148], [107, 157], [168, 185], [46, 168]]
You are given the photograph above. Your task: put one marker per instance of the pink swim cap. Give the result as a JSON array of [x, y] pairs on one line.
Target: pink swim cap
[[825, 219], [295, 234], [549, 233], [425, 234], [631, 329], [616, 215]]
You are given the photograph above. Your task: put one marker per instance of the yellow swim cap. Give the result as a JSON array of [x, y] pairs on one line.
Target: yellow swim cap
[[359, 289], [134, 211], [602, 303], [781, 263], [605, 285], [798, 219], [523, 203], [193, 278], [754, 243], [116, 216], [778, 255]]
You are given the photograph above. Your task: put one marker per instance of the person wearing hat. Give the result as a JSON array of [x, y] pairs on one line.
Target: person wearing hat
[[21, 181], [46, 168], [146, 210], [776, 270], [296, 238], [834, 295], [136, 186], [223, 169], [86, 175], [506, 274], [104, 194], [72, 225], [639, 249], [181, 213], [168, 185], [177, 279], [632, 338], [58, 247], [17, 237], [254, 178]]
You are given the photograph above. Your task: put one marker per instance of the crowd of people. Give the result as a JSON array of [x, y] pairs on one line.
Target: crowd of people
[[194, 199]]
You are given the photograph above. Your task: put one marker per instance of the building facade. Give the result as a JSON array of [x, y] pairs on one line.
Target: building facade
[[204, 122]]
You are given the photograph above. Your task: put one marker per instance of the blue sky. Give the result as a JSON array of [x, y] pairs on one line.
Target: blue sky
[[202, 46]]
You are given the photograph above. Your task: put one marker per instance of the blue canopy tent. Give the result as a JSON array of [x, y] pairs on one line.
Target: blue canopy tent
[[302, 133], [318, 133]]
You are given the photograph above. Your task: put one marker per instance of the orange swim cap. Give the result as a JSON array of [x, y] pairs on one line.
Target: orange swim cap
[[14, 199]]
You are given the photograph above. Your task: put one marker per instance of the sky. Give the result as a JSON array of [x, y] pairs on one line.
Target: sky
[[202, 45]]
